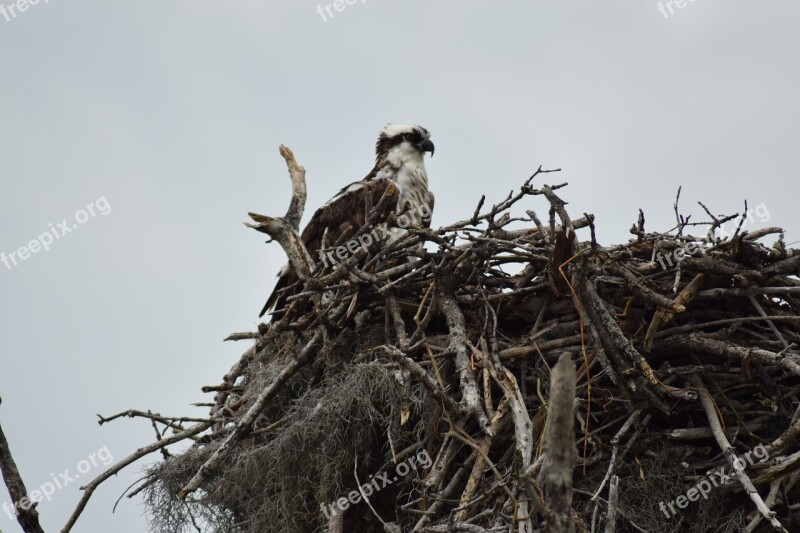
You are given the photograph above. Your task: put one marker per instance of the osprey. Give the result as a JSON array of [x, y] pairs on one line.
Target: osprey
[[399, 160]]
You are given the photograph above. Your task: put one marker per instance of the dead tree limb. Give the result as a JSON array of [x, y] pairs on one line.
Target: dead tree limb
[[286, 229], [555, 477], [24, 508]]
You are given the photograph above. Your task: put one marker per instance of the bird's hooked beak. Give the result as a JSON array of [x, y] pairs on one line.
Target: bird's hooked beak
[[425, 146]]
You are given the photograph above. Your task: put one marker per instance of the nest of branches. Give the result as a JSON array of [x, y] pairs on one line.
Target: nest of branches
[[503, 373]]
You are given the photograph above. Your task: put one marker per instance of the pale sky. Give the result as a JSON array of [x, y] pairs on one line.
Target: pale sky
[[170, 114]]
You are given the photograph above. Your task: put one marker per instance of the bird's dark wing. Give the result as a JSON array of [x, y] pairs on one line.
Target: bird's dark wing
[[342, 216]]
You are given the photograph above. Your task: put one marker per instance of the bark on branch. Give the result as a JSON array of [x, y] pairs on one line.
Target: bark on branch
[[555, 477]]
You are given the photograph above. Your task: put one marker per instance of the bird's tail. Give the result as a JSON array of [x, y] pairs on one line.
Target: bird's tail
[[277, 299]]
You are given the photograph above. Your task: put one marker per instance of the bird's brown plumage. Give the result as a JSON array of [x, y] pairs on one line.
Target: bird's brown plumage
[[347, 211]]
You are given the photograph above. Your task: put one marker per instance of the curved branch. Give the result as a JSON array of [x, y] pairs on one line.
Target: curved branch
[[286, 229]]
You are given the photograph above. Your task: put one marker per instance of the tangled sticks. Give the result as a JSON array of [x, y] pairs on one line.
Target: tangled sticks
[[556, 385]]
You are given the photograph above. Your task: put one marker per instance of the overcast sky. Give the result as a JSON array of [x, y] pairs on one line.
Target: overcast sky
[[167, 117]]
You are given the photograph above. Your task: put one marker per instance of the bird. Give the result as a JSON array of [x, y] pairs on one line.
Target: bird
[[399, 161]]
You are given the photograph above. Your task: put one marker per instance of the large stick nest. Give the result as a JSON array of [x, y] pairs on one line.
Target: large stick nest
[[677, 358]]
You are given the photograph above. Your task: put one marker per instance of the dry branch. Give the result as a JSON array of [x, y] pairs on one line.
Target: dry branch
[[27, 516], [555, 477]]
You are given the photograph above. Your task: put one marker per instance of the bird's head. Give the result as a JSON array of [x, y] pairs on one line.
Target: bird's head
[[401, 142]]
